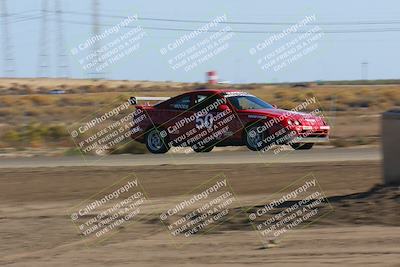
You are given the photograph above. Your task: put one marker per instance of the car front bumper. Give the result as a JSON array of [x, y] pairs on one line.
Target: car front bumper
[[311, 140]]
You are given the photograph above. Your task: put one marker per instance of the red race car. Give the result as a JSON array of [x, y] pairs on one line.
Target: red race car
[[204, 119]]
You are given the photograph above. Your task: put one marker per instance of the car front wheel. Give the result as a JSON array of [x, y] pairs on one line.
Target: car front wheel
[[254, 139]]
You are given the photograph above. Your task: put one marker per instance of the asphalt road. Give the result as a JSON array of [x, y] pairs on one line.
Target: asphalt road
[[222, 157]]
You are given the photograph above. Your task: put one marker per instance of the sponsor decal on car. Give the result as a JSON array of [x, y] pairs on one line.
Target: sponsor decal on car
[[256, 117], [230, 94]]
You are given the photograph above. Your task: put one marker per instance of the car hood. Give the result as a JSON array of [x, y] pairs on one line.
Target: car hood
[[303, 118]]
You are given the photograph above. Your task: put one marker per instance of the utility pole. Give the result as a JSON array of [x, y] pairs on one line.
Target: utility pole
[[44, 61], [8, 55]]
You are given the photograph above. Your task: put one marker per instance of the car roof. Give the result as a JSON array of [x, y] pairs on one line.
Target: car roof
[[215, 91]]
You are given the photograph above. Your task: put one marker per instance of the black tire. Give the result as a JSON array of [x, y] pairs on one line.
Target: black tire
[[202, 149], [254, 139], [302, 146], [155, 143]]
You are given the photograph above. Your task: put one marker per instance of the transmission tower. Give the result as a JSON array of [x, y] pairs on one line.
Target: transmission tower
[[8, 55], [96, 46], [62, 58], [44, 59], [364, 70]]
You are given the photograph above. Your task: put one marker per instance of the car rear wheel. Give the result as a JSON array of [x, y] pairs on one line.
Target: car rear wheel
[[302, 146], [155, 143]]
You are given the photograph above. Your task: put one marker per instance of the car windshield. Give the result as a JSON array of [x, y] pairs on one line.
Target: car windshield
[[248, 102]]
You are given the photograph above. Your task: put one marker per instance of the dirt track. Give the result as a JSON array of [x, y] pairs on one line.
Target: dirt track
[[36, 228], [242, 156]]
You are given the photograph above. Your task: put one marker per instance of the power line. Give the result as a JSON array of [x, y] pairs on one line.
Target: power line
[[26, 18], [366, 22], [365, 30], [23, 12], [242, 31]]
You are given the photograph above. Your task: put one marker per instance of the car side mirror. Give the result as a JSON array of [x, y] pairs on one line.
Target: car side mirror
[[223, 107]]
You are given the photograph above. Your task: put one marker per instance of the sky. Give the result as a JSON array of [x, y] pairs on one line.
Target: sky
[[323, 56]]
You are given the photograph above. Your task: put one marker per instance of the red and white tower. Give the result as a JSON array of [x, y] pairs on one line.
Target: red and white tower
[[212, 77]]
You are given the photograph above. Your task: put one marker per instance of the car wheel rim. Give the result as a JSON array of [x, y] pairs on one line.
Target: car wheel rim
[[253, 138], [154, 140]]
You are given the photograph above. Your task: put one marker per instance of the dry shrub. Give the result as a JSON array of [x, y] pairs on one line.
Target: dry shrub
[[84, 88], [14, 88], [74, 91], [124, 88], [41, 100], [299, 97], [285, 104], [56, 132], [392, 95], [23, 102], [31, 112], [8, 112], [52, 111], [12, 136], [30, 91], [362, 102], [340, 142], [102, 88], [66, 101], [282, 95], [42, 90], [93, 89], [8, 101]]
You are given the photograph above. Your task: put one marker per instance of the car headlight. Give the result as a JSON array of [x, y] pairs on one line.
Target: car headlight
[[295, 122]]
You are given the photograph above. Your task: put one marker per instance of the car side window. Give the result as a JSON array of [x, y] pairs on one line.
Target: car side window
[[182, 103], [199, 98], [201, 101]]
